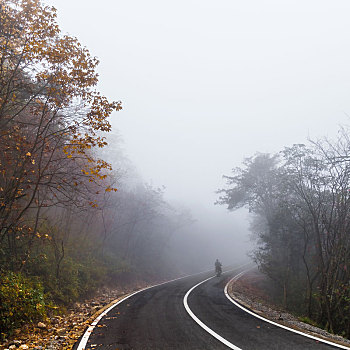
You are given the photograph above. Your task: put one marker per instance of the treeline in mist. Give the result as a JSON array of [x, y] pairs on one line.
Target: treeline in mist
[[68, 223], [300, 198]]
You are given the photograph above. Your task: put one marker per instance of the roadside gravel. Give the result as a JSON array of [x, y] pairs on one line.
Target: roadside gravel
[[251, 290]]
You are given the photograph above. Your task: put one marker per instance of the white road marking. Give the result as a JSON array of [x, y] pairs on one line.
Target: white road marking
[[275, 323], [90, 329], [88, 332], [204, 326]]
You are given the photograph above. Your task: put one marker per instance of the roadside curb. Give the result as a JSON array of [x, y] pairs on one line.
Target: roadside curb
[[259, 314]]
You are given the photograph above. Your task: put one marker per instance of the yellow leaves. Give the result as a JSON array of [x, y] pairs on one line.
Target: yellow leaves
[[93, 204], [68, 72], [110, 189]]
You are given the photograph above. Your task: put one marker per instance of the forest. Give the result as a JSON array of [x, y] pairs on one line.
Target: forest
[[75, 215], [300, 201], [68, 222]]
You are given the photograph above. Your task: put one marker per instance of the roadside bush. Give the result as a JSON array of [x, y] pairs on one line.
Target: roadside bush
[[21, 301], [77, 280], [308, 320]]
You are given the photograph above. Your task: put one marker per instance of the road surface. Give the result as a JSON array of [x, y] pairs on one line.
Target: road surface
[[157, 319]]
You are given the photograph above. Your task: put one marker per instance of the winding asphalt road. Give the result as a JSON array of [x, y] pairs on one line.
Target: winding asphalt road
[[157, 319]]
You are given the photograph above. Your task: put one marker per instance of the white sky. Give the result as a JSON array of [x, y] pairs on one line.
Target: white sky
[[206, 83]]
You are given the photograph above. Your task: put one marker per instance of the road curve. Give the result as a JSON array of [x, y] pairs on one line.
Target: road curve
[[157, 319]]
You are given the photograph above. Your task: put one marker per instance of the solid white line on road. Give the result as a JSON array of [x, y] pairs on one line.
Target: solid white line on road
[[204, 326], [90, 329], [88, 332], [275, 323]]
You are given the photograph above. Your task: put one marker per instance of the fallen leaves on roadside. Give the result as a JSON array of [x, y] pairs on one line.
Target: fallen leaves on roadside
[[63, 331]]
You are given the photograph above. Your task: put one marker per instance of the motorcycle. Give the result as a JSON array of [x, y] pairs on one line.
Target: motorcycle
[[218, 271]]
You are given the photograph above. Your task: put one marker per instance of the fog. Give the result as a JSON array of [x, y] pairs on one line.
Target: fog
[[205, 84]]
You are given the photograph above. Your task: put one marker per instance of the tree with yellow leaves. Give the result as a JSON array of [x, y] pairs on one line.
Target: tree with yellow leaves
[[51, 119]]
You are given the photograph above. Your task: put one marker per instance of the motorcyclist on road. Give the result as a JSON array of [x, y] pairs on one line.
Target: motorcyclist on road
[[218, 267]]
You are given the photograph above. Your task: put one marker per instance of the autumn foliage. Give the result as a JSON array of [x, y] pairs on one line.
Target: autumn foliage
[[64, 228], [51, 119]]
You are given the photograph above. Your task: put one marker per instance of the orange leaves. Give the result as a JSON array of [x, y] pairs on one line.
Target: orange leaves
[[55, 115], [93, 204], [67, 69], [110, 189]]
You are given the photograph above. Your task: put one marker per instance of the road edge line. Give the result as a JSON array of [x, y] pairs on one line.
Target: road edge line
[[84, 339], [203, 325], [272, 322]]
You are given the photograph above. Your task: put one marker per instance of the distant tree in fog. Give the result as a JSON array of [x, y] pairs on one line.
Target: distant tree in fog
[[301, 202]]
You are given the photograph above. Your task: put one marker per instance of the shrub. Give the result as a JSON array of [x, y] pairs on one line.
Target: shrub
[[21, 301], [308, 320]]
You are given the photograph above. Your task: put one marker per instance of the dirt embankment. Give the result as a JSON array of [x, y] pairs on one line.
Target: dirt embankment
[[253, 290]]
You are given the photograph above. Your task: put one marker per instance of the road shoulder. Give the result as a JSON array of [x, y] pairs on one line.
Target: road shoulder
[[251, 291]]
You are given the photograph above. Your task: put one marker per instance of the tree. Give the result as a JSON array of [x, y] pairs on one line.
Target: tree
[[51, 118], [302, 202]]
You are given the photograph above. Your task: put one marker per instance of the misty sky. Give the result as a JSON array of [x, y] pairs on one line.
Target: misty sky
[[206, 83]]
